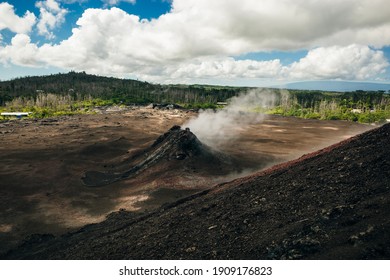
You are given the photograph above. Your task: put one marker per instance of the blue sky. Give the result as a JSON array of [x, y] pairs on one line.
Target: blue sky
[[147, 9], [246, 42]]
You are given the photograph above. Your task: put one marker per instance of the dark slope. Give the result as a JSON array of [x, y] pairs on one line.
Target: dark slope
[[333, 204]]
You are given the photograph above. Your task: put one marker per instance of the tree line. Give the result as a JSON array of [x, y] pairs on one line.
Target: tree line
[[360, 106], [75, 92], [81, 85]]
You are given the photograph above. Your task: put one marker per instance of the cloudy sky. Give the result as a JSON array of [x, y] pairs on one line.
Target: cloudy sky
[[233, 42]]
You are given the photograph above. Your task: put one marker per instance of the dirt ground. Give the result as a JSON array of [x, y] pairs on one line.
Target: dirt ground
[[42, 163]]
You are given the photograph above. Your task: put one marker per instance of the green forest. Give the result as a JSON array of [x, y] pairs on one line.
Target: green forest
[[79, 93], [358, 106]]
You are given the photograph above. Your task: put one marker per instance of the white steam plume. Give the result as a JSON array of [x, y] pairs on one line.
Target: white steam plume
[[218, 128]]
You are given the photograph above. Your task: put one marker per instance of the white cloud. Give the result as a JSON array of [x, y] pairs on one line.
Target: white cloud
[[197, 38], [73, 1], [20, 52], [228, 68], [255, 25], [208, 68], [354, 62], [51, 16], [116, 2], [196, 28], [9, 20]]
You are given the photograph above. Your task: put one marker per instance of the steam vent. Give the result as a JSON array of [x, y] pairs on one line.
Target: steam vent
[[178, 144], [178, 150]]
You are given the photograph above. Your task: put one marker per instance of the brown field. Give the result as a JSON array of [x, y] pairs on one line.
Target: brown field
[[42, 163]]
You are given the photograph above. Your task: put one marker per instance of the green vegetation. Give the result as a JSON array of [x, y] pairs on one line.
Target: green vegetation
[[120, 91], [76, 93], [359, 106], [80, 93], [48, 105]]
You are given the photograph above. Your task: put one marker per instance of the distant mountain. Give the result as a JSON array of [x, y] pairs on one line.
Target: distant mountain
[[339, 86]]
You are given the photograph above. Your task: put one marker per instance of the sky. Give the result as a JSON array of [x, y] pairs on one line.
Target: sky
[[229, 42]]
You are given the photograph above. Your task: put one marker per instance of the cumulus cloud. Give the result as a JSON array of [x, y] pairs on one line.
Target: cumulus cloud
[[253, 25], [227, 68], [196, 28], [198, 38], [116, 2], [73, 1], [51, 16], [9, 20], [354, 62], [20, 52]]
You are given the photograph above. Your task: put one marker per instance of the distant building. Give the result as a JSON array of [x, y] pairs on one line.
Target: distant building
[[222, 103], [18, 115]]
